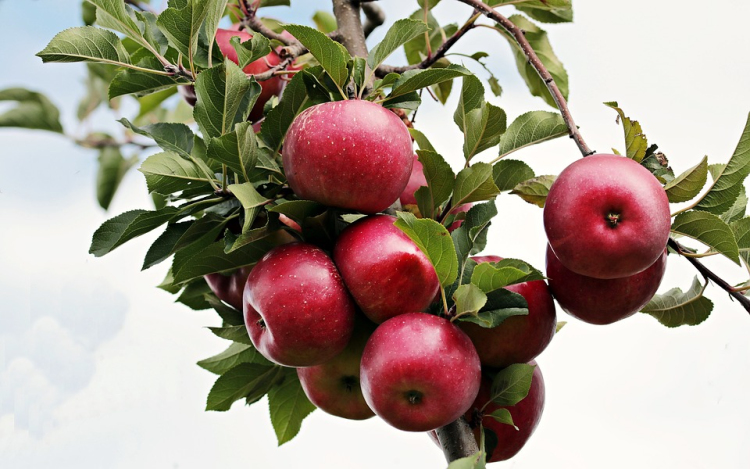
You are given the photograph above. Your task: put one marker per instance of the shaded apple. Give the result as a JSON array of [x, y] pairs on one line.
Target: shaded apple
[[607, 216], [416, 180], [385, 272], [334, 386], [229, 288], [350, 154], [518, 339], [603, 301], [297, 310], [419, 372]]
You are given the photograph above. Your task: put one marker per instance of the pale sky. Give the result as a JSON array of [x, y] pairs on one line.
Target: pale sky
[[97, 366]]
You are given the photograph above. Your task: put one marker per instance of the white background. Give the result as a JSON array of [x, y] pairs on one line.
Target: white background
[[97, 367]]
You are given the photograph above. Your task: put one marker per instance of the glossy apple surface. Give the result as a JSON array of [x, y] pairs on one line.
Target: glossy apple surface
[[297, 310], [603, 301], [229, 288], [607, 216], [518, 339], [350, 154], [416, 180], [334, 386], [526, 415], [383, 269], [269, 88], [419, 372]]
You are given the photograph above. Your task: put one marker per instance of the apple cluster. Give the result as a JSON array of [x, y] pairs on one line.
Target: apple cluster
[[352, 320], [607, 222]]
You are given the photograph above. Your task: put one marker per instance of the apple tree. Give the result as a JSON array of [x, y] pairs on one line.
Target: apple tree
[[296, 196]]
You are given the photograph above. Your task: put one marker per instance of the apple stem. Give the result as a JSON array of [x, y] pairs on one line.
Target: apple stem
[[457, 440], [710, 275], [519, 35]]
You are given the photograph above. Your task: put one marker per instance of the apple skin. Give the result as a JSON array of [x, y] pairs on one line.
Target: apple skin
[[603, 301], [349, 154], [416, 180], [577, 211], [297, 310], [518, 339], [383, 269], [229, 288], [463, 208], [419, 372], [334, 387]]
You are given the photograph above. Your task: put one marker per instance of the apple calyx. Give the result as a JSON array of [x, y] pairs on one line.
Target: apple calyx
[[613, 218]]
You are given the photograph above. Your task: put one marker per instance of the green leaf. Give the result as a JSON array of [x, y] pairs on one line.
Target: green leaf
[[539, 41], [279, 119], [741, 230], [532, 128], [726, 187], [490, 276], [214, 12], [535, 190], [434, 241], [511, 384], [501, 305], [126, 226], [440, 181], [214, 259], [402, 31], [139, 83], [34, 111], [737, 210], [225, 98], [635, 141], [469, 299], [422, 141], [475, 461], [299, 210], [483, 129], [325, 22], [194, 295], [413, 80], [328, 53], [192, 235], [472, 98], [238, 150], [250, 199], [167, 173], [552, 16], [113, 14], [236, 333], [471, 236], [251, 50], [502, 415], [88, 13], [288, 406], [507, 174], [182, 25], [176, 138], [243, 381], [688, 184], [416, 49], [236, 354], [560, 325], [474, 184], [85, 44], [675, 308], [112, 168], [709, 230]]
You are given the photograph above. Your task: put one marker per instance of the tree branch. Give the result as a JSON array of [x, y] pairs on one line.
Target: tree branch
[[709, 275], [519, 35], [384, 70], [375, 16], [350, 26], [457, 440]]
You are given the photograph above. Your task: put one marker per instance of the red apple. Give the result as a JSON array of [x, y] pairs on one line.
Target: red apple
[[228, 288], [603, 301], [607, 216], [463, 208], [526, 415], [383, 269], [518, 339], [350, 154], [419, 372], [297, 309], [334, 386]]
